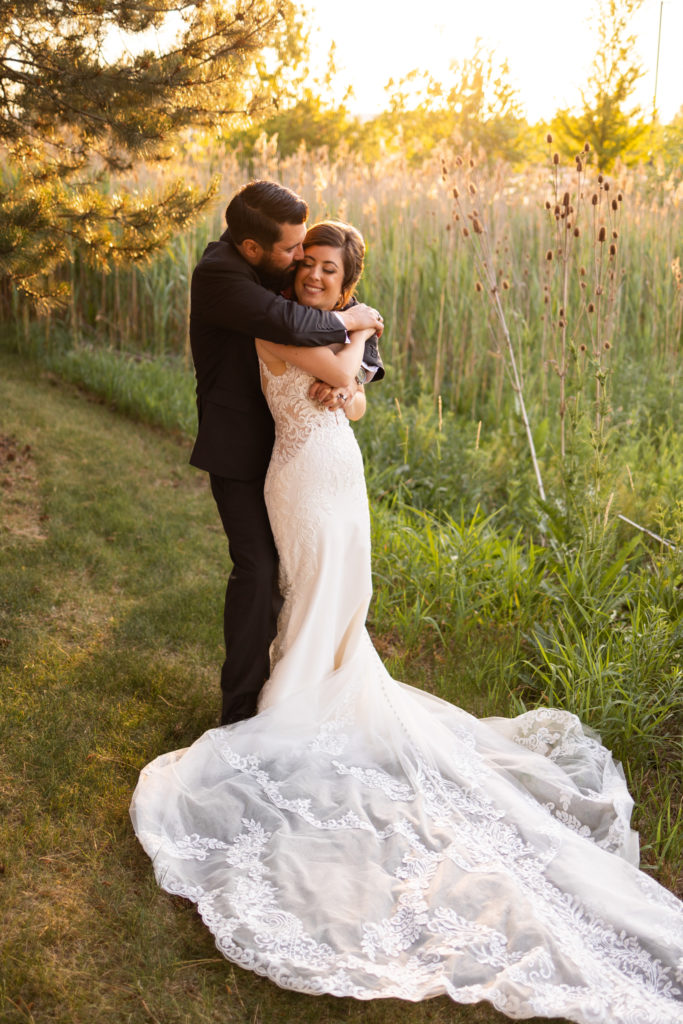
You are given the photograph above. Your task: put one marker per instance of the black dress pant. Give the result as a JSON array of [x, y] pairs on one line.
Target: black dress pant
[[252, 598]]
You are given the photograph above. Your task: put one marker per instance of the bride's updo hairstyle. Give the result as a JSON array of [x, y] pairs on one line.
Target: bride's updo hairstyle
[[345, 237]]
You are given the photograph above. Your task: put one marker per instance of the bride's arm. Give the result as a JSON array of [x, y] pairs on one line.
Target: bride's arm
[[337, 368]]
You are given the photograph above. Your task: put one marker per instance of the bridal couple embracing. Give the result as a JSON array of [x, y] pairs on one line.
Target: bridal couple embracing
[[342, 832]]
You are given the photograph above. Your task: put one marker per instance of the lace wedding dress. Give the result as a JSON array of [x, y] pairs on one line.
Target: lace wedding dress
[[362, 838]]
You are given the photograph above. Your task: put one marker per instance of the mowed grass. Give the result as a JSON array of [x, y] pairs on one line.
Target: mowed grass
[[113, 569]]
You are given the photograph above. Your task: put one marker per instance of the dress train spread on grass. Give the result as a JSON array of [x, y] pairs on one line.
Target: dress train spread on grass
[[360, 837]]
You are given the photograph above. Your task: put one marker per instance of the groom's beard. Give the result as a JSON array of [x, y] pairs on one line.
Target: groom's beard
[[274, 279]]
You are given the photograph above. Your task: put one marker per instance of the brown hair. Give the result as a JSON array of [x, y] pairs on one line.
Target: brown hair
[[345, 237], [260, 209]]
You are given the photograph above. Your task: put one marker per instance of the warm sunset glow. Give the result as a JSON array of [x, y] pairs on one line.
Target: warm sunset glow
[[549, 46]]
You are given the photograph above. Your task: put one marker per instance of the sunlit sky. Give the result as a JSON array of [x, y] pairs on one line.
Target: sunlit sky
[[549, 46]]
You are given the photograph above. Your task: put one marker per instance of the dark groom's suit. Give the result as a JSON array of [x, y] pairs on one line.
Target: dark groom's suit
[[231, 304]]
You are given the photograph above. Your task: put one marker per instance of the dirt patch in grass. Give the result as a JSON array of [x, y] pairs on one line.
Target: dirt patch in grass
[[22, 511]]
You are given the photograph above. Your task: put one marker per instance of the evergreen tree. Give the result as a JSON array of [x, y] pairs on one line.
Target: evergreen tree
[[90, 88], [607, 118]]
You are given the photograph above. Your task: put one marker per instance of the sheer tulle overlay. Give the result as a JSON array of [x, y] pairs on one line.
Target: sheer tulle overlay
[[360, 837]]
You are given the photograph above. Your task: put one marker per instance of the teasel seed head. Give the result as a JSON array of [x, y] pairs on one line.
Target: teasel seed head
[[591, 307], [565, 200], [612, 249], [456, 192], [607, 346], [465, 232], [615, 233], [476, 225], [549, 255], [547, 204], [594, 199], [606, 186], [472, 188], [601, 234], [471, 164], [598, 290], [576, 232], [583, 284], [582, 271], [579, 164], [478, 286], [582, 348], [600, 179], [458, 161], [586, 147], [549, 138], [556, 158], [506, 285], [620, 197]]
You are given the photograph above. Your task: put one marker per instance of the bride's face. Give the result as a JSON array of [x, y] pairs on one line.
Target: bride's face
[[319, 277]]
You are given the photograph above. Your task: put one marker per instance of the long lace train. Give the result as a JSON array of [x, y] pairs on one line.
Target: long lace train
[[362, 838]]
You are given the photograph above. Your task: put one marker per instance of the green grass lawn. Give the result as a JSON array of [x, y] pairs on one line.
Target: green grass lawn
[[113, 569]]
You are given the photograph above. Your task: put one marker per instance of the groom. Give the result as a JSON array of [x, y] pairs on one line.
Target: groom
[[235, 297]]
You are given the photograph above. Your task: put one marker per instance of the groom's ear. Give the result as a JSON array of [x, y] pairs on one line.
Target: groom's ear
[[251, 250]]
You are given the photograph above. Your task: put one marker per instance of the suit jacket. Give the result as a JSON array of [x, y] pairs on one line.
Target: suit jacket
[[229, 307]]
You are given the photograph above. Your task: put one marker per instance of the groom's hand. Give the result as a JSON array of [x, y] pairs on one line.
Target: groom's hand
[[360, 317], [331, 398]]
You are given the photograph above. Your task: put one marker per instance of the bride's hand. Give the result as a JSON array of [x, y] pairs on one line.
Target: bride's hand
[[331, 398]]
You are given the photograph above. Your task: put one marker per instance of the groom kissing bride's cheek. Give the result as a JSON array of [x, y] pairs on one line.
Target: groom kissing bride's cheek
[[342, 832]]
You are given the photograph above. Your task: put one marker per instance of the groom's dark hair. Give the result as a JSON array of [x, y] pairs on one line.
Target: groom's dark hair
[[260, 208]]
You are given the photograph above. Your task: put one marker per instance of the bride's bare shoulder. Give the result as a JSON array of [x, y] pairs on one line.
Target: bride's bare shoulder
[[275, 365]]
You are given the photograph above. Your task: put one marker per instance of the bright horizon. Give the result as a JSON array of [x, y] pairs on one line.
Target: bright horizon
[[549, 47]]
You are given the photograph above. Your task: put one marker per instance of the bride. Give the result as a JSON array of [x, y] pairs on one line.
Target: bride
[[360, 837]]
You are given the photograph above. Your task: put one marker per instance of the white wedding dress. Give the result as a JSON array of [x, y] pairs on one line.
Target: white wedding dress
[[360, 837]]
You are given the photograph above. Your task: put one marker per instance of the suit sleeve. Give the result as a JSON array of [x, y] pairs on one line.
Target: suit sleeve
[[234, 301]]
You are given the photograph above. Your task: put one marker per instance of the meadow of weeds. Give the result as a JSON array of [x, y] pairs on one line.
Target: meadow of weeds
[[524, 454]]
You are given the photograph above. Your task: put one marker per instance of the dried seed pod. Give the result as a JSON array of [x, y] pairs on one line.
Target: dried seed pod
[[478, 286], [586, 147], [612, 249], [615, 234], [565, 200], [478, 229], [582, 271], [600, 179], [465, 232], [601, 234], [620, 197], [594, 199], [549, 255], [606, 186], [615, 204], [591, 307], [607, 346], [582, 348], [472, 188], [548, 138], [456, 193], [579, 164], [506, 285], [576, 232], [556, 158], [547, 204]]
